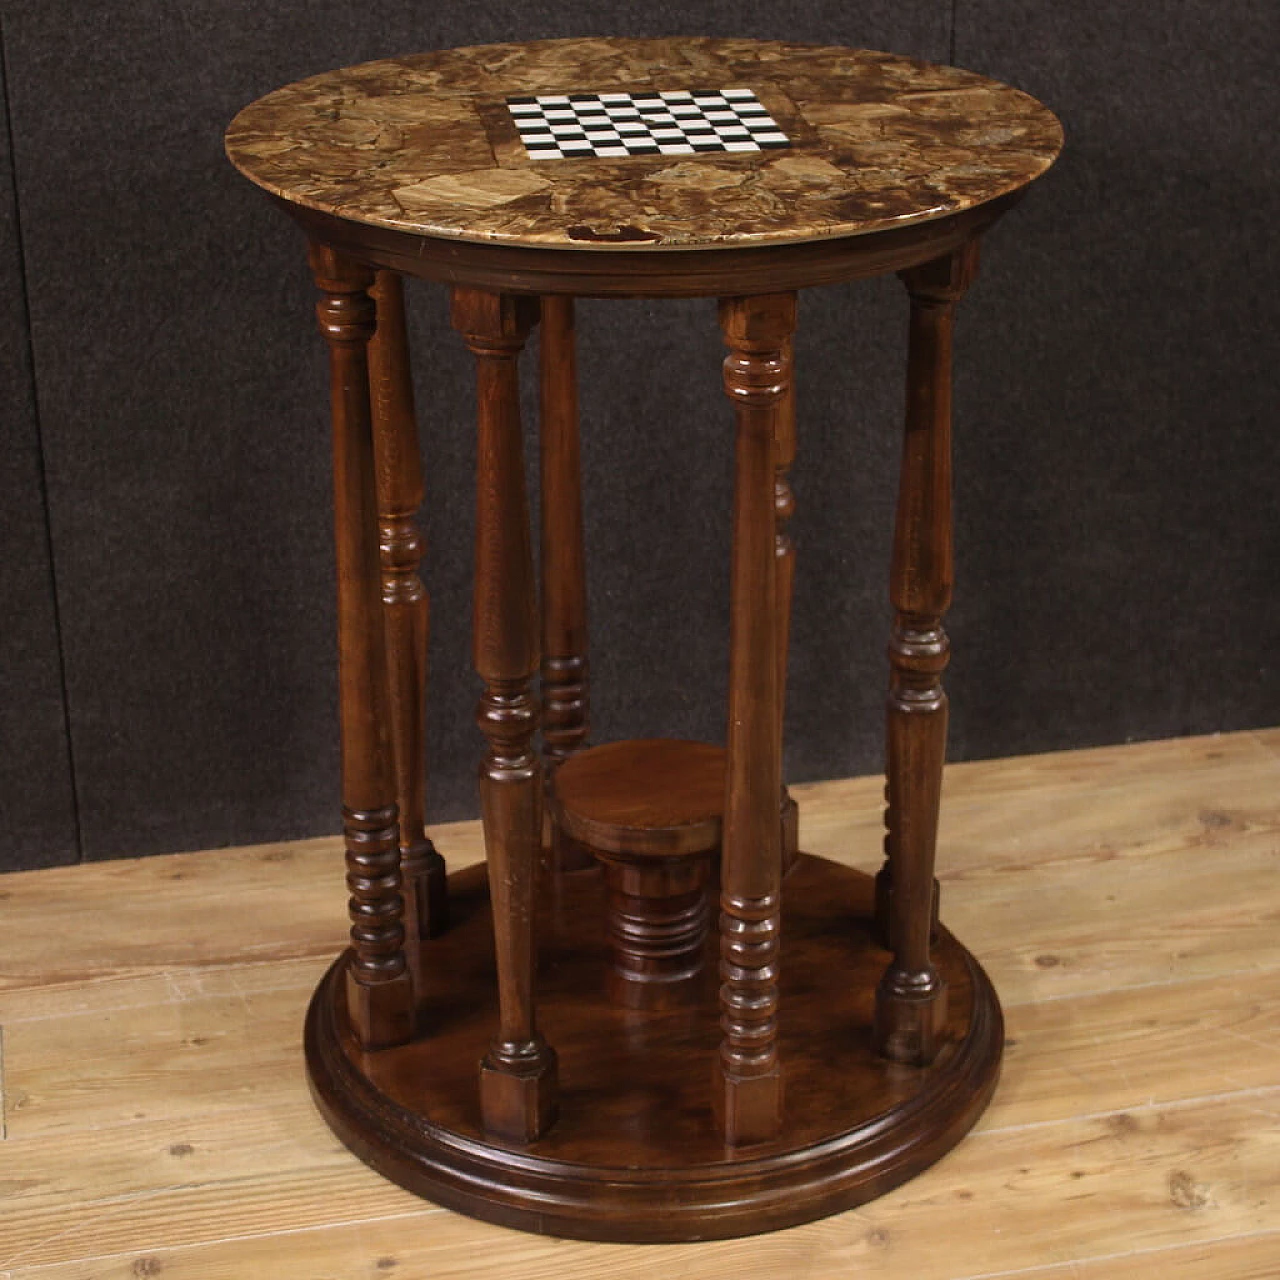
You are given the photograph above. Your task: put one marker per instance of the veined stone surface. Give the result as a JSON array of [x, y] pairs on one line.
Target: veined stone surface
[[427, 144]]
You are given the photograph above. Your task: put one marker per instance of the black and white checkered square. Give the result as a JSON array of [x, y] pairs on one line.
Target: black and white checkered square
[[673, 123]]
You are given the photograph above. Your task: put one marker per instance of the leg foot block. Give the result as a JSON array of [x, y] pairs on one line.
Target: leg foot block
[[519, 1102], [748, 1109], [426, 892], [381, 1013], [909, 1024]]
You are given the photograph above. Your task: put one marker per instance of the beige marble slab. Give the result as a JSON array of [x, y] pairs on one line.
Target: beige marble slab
[[425, 144]]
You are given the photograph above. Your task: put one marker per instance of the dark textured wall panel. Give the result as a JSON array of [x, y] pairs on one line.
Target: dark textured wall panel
[[1117, 451], [37, 809], [181, 392]]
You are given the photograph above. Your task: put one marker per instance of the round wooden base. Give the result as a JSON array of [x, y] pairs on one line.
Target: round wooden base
[[634, 1155]]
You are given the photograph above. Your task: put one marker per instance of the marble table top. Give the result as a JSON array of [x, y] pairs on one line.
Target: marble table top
[[671, 143]]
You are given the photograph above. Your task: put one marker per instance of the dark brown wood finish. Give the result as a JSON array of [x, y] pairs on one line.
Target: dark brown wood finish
[[670, 1122], [518, 1074], [655, 273], [663, 797], [379, 990], [406, 611], [784, 504], [748, 1090], [564, 576], [650, 810], [911, 997], [670, 1127], [565, 676], [647, 923], [656, 918], [635, 1154]]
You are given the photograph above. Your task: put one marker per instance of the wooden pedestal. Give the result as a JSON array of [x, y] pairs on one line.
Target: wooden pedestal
[[650, 811], [635, 1154]]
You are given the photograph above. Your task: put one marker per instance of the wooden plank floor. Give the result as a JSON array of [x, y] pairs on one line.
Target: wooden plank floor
[[1125, 900]]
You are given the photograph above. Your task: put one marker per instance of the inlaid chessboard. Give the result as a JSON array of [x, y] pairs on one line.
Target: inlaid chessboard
[[678, 122]]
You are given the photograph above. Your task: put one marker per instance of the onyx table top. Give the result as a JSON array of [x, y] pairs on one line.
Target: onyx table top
[[673, 143]]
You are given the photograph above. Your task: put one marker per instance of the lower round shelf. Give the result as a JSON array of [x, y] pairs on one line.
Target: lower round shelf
[[634, 1155]]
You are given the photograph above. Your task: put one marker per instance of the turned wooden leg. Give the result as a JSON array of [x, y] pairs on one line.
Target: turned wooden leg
[[518, 1074], [406, 613], [911, 997], [784, 503], [379, 991], [564, 583], [747, 1088]]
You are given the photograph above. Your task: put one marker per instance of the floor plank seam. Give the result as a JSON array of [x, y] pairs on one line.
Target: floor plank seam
[[106, 1206], [277, 1107], [1124, 1255], [4, 1106], [425, 1211], [1186, 980], [1172, 1104], [321, 957]]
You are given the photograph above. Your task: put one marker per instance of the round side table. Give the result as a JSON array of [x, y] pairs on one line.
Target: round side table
[[823, 1038]]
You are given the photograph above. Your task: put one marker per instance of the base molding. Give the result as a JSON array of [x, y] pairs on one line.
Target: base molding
[[635, 1155]]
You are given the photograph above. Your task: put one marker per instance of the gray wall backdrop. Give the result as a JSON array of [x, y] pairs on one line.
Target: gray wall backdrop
[[167, 654]]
